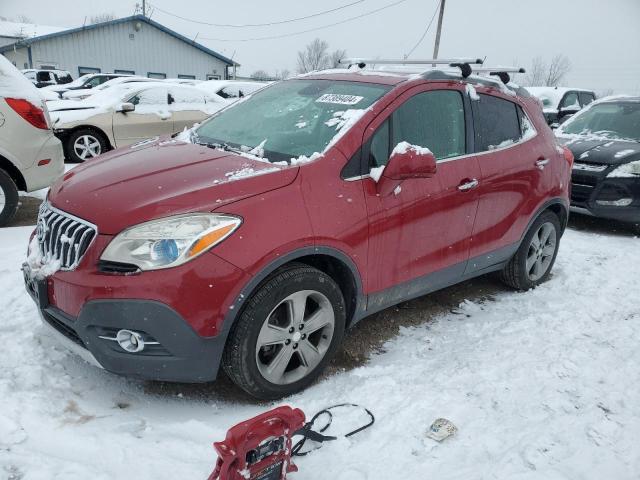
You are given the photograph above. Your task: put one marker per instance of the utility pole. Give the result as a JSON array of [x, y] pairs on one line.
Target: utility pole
[[436, 47], [144, 11]]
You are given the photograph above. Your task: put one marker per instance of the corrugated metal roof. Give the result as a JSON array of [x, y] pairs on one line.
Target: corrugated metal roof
[[22, 30], [140, 18]]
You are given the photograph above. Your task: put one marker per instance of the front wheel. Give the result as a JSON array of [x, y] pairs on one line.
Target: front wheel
[[532, 263], [8, 198], [287, 333]]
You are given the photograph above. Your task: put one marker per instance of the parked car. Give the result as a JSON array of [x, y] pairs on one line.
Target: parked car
[[90, 80], [45, 77], [30, 155], [559, 103], [82, 93], [605, 140], [125, 114], [255, 239], [231, 90]]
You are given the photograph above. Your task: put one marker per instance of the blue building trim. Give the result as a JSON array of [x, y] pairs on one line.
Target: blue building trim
[[133, 18]]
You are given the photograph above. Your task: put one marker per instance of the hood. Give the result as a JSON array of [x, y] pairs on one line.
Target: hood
[[602, 151], [161, 177]]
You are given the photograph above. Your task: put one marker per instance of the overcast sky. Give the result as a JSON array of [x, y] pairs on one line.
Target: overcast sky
[[602, 38]]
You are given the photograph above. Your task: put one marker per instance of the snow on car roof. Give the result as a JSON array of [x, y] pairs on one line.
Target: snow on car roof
[[15, 84], [21, 30]]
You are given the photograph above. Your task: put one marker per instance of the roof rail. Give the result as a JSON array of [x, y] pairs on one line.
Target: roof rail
[[464, 64], [501, 72]]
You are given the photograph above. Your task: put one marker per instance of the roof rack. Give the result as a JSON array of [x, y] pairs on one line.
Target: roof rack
[[464, 64], [501, 72]]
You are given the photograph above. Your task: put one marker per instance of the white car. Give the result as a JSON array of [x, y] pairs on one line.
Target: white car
[[231, 90], [90, 80], [82, 93], [126, 114], [31, 157]]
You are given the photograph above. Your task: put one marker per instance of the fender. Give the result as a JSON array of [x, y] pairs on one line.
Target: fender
[[545, 206], [250, 287]]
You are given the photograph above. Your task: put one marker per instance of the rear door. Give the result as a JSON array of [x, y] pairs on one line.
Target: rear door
[[515, 179], [424, 226], [187, 106], [150, 118]]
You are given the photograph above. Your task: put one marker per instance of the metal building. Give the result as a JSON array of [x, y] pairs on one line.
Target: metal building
[[136, 45]]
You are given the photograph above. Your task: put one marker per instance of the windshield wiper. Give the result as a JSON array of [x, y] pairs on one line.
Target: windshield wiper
[[219, 145]]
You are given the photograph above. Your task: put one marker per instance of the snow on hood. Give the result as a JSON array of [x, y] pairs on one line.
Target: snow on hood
[[594, 149], [162, 177], [14, 84]]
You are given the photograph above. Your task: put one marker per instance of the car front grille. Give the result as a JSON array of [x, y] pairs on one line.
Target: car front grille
[[63, 237]]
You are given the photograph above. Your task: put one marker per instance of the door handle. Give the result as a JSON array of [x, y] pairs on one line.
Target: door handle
[[540, 164], [468, 185]]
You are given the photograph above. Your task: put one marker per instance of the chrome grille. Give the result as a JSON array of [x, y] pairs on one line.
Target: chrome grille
[[62, 236]]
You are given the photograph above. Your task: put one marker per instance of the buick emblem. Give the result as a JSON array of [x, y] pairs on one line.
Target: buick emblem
[[40, 230]]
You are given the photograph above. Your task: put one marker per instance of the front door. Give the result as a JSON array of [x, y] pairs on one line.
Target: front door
[[419, 234], [151, 117]]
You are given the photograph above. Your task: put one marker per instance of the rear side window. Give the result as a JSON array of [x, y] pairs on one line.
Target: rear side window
[[498, 123], [434, 120], [586, 98]]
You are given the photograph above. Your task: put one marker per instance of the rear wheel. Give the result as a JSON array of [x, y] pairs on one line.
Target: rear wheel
[[532, 263], [85, 144], [287, 334], [8, 198]]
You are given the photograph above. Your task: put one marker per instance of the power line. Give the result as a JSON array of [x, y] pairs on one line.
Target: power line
[[279, 22], [424, 34], [273, 37]]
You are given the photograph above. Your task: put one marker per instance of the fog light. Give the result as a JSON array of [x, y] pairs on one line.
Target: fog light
[[623, 202], [130, 341]]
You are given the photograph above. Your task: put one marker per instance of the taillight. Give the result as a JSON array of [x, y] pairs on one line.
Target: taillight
[[27, 110], [568, 155]]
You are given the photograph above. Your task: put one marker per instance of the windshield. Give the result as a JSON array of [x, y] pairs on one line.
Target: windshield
[[291, 119], [619, 120]]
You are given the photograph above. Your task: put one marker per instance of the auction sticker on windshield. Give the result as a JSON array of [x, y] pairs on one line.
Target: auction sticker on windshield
[[339, 99]]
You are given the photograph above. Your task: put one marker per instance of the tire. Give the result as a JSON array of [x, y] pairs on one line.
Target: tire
[[532, 263], [268, 354], [87, 142], [8, 198]]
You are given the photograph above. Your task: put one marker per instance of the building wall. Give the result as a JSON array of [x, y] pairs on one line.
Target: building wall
[[133, 45]]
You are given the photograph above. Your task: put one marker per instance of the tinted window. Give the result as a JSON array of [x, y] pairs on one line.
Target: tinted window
[[44, 77], [379, 149], [498, 123], [434, 120], [586, 98], [570, 100]]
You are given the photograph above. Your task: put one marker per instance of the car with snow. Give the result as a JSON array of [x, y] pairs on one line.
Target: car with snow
[[559, 103], [254, 240], [30, 155], [231, 90], [82, 93], [45, 77], [126, 114], [605, 141], [90, 80]]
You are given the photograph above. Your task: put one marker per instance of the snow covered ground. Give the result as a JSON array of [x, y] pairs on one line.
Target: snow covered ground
[[543, 384]]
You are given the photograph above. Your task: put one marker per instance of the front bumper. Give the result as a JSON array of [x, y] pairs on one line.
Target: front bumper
[[588, 189], [180, 355]]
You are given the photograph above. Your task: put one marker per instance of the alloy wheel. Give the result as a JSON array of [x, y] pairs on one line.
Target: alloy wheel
[[295, 337], [541, 251], [87, 146]]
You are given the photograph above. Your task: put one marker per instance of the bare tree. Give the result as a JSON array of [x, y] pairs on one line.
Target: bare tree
[[282, 74], [260, 75], [102, 17], [314, 56], [336, 56], [23, 19], [546, 74]]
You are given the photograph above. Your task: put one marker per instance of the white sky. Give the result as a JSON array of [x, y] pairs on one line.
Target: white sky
[[601, 37]]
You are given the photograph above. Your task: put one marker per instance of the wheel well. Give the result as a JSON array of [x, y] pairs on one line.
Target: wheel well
[[67, 133], [14, 173], [341, 274], [561, 213]]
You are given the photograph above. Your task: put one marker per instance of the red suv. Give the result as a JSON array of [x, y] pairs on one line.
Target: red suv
[[255, 240]]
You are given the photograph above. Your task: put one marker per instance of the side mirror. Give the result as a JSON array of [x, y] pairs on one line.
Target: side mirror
[[406, 161], [125, 107]]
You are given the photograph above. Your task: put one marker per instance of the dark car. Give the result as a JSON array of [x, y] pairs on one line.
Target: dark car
[[560, 103], [605, 141]]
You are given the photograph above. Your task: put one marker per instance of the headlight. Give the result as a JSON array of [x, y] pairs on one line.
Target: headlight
[[171, 241], [631, 169]]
